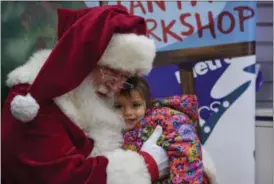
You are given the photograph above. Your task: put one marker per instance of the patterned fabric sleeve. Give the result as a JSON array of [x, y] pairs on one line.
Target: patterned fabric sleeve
[[187, 104], [184, 150]]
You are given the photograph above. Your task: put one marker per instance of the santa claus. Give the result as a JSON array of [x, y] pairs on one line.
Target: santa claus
[[57, 124]]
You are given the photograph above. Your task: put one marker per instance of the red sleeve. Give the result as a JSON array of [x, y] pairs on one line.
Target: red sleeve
[[42, 152]]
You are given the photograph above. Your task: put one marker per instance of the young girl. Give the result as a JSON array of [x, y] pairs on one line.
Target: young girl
[[178, 117]]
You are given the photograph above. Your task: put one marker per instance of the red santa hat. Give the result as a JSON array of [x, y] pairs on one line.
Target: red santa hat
[[107, 36]]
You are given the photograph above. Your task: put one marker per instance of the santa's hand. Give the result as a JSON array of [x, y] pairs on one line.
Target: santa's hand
[[155, 156]]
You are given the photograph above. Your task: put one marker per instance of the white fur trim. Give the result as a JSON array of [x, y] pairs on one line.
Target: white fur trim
[[126, 167], [129, 52], [28, 72], [94, 116], [209, 167], [24, 108]]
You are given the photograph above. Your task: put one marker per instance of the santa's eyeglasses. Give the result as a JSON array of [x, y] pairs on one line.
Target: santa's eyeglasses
[[116, 79]]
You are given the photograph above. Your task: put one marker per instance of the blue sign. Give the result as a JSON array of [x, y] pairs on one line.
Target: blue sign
[[164, 81]]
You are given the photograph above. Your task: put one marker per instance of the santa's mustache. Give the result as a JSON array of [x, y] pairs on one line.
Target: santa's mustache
[[104, 90]]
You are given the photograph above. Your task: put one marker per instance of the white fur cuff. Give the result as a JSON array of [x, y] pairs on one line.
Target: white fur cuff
[[24, 108], [126, 167]]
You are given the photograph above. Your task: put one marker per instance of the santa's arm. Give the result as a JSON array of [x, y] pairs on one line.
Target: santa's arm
[[48, 156]]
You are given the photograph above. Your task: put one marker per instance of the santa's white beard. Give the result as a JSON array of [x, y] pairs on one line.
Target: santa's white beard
[[103, 90], [95, 116], [95, 108]]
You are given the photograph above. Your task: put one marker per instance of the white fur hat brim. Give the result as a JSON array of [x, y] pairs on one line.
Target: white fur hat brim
[[129, 52]]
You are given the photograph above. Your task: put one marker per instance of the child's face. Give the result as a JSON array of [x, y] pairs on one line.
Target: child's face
[[132, 108]]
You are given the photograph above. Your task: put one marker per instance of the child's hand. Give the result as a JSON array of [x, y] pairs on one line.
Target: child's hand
[[158, 153]]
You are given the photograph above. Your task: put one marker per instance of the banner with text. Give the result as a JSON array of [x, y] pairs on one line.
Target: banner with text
[[188, 24]]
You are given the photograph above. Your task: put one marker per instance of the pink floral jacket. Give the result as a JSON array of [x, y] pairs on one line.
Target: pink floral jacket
[[178, 116]]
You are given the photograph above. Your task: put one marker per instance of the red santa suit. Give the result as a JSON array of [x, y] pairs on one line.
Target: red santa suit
[[64, 123]]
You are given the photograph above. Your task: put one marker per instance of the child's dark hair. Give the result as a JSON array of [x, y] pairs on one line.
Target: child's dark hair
[[139, 84]]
